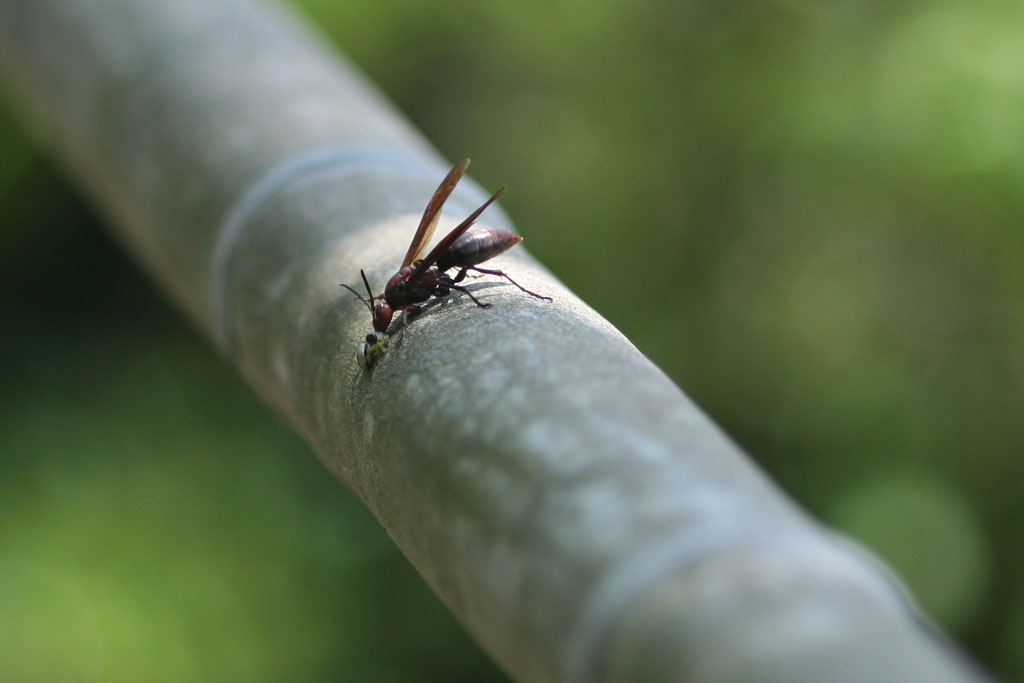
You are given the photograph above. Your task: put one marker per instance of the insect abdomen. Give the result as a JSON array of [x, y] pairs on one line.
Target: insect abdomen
[[477, 246]]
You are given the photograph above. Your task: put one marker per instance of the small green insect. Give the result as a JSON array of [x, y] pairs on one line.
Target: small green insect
[[373, 348]]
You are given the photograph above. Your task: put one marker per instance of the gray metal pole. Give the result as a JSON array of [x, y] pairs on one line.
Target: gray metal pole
[[576, 511]]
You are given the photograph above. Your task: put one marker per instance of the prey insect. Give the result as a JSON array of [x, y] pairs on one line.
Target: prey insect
[[419, 279]]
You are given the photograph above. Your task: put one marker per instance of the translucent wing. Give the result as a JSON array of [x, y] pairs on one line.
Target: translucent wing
[[433, 212], [435, 253]]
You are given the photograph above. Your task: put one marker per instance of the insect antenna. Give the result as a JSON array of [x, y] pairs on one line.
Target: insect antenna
[[367, 302], [367, 283]]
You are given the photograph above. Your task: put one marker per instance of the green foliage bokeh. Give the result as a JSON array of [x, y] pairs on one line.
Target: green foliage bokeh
[[809, 214]]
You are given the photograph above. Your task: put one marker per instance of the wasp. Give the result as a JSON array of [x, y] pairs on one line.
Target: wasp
[[419, 279]]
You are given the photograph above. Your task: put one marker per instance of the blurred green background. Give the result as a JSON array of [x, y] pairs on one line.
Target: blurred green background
[[809, 214]]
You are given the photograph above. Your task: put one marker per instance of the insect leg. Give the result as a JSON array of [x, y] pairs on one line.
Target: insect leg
[[499, 273], [460, 288], [408, 312]]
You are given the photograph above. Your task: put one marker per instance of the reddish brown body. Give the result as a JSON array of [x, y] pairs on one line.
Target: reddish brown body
[[419, 279], [477, 246]]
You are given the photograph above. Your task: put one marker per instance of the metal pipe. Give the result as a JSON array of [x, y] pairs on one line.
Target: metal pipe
[[567, 501]]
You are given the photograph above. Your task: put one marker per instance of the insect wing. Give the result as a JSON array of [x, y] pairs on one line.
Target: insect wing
[[435, 253], [433, 212]]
